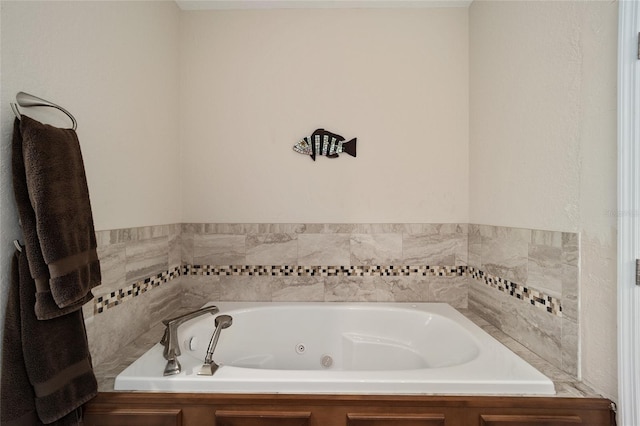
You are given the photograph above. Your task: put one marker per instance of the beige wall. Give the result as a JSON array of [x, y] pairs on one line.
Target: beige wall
[[254, 82], [543, 143], [114, 65]]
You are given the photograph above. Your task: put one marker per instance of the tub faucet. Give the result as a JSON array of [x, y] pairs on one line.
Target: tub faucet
[[210, 367], [170, 339]]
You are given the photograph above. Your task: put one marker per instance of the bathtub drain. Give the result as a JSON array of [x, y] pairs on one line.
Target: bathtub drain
[[326, 361], [300, 348]]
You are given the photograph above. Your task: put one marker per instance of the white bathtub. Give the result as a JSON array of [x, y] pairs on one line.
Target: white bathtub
[[372, 348]]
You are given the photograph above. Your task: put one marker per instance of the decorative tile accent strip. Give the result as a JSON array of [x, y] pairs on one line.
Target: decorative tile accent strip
[[325, 271], [535, 297], [116, 298]]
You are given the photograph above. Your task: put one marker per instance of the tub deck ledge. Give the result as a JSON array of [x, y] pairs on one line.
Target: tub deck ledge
[[565, 384]]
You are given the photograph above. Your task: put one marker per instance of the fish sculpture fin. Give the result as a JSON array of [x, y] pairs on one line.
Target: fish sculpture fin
[[350, 147]]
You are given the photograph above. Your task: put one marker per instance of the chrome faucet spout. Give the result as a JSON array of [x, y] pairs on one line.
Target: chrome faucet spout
[[170, 339], [210, 367]]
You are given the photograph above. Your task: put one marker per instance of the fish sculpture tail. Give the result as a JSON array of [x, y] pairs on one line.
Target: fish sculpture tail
[[350, 147]]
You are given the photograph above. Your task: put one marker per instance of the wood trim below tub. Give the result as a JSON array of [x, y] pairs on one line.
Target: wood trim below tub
[[197, 409]]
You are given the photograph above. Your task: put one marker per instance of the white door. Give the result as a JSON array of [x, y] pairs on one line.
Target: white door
[[629, 213]]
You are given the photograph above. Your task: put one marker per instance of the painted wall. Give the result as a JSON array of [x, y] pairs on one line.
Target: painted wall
[[543, 143], [114, 65], [255, 82]]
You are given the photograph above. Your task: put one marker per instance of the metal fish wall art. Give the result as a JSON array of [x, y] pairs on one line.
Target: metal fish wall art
[[323, 142]]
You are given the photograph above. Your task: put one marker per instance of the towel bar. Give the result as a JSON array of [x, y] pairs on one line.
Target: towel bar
[[26, 100]]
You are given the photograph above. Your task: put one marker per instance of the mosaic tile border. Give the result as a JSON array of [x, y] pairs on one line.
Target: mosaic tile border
[[325, 271], [116, 298], [537, 298]]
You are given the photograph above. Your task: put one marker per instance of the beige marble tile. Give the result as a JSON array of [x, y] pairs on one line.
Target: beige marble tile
[[103, 238], [105, 330], [505, 252], [297, 289], [112, 267], [192, 228], [163, 301], [330, 228], [350, 289], [534, 328], [219, 249], [154, 231], [438, 245], [272, 249], [379, 228], [376, 249], [245, 289], [474, 240], [123, 235], [570, 292], [281, 228], [545, 263], [175, 250], [546, 238], [324, 249], [487, 302], [146, 258], [570, 347], [569, 390], [451, 290], [88, 308], [136, 316], [187, 247], [570, 248], [545, 367], [230, 228], [199, 289], [401, 289]]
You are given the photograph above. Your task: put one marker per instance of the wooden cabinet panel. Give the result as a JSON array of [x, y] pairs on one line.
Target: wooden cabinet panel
[[525, 419], [262, 418], [395, 419], [133, 417], [201, 409]]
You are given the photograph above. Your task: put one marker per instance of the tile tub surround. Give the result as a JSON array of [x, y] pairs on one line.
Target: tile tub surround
[[522, 281], [566, 385], [133, 262], [327, 262], [544, 263]]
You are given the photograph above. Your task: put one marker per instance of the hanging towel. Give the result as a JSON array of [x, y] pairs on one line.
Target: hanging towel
[[55, 212], [18, 400], [46, 366]]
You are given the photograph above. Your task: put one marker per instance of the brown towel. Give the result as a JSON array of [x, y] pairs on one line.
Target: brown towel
[[55, 212], [18, 404], [46, 365]]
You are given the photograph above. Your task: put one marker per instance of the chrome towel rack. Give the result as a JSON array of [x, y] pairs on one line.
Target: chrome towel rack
[[26, 100]]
